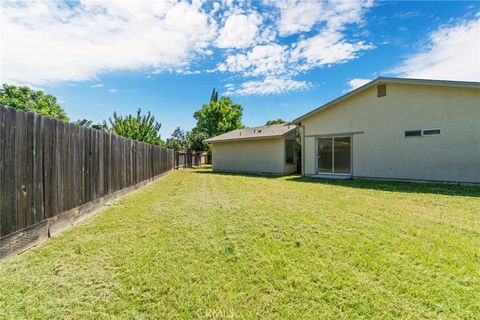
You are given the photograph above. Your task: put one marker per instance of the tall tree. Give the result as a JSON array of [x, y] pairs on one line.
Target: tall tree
[[214, 96], [138, 127], [177, 140], [26, 99], [219, 117], [279, 120], [195, 139]]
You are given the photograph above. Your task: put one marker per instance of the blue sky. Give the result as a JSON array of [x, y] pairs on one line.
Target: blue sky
[[279, 59]]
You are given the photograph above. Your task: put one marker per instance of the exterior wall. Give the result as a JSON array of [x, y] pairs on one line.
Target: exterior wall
[[250, 156], [383, 151]]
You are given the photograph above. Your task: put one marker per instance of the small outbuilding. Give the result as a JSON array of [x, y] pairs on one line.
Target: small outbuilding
[[268, 149]]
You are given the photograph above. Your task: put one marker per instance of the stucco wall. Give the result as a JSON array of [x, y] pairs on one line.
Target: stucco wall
[[383, 151], [256, 156]]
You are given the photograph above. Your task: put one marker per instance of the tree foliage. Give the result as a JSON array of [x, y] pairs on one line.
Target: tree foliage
[[214, 96], [279, 120], [26, 99], [84, 123], [137, 127], [178, 140], [219, 117], [195, 140]]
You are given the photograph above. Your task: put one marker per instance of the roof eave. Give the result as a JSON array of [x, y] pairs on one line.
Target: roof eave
[[334, 101], [445, 83], [213, 140], [244, 139]]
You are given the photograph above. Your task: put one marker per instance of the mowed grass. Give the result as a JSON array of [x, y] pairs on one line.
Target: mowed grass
[[202, 245]]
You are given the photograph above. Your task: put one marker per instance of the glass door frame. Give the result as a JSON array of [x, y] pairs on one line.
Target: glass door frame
[[317, 156]]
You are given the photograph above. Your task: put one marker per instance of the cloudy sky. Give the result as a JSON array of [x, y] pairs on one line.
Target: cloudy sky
[[279, 59]]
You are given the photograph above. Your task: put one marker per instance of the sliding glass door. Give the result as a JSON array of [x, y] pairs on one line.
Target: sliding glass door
[[334, 155]]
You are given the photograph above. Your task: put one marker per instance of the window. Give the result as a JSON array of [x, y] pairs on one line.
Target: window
[[422, 133], [334, 155], [413, 133], [430, 132], [381, 90], [290, 151]]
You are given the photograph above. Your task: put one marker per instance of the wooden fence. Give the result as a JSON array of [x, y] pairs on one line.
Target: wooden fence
[[48, 167], [190, 159]]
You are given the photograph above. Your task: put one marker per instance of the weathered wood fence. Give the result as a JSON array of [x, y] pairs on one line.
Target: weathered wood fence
[[190, 159], [48, 167]]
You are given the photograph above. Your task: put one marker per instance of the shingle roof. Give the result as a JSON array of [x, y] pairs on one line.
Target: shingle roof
[[263, 132], [380, 80]]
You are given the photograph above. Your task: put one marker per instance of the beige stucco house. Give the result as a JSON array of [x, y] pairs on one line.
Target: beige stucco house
[[391, 128], [268, 149]]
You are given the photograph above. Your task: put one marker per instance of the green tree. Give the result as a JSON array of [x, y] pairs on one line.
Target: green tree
[[178, 140], [195, 140], [84, 123], [26, 99], [137, 127], [219, 117], [279, 120], [214, 96]]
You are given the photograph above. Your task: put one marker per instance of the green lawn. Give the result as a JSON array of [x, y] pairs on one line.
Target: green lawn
[[202, 245]]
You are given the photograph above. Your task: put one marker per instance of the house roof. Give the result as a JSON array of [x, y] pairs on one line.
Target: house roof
[[263, 132], [381, 80]]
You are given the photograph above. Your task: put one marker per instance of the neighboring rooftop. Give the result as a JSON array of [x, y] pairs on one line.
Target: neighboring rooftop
[[380, 80], [263, 132]]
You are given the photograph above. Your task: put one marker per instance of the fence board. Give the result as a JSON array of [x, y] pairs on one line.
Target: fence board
[[3, 186], [59, 164], [48, 167], [10, 198], [38, 139], [21, 168], [29, 170], [48, 155]]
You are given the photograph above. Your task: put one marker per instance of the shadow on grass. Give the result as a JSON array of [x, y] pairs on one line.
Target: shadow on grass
[[393, 186]]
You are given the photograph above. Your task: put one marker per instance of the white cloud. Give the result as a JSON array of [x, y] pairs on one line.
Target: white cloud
[[276, 65], [284, 62], [49, 41], [55, 41], [301, 15], [239, 31], [112, 90], [326, 48], [269, 85], [358, 82], [342, 12], [298, 16], [261, 60], [453, 53]]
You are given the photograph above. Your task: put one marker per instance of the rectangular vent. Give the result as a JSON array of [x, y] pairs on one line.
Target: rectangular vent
[[431, 132], [413, 133], [381, 90]]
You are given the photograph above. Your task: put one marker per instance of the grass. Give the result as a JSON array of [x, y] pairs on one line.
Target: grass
[[202, 245]]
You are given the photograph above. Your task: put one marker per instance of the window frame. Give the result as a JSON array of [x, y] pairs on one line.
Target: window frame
[[381, 90], [333, 173], [432, 135], [412, 131], [422, 133], [294, 160]]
